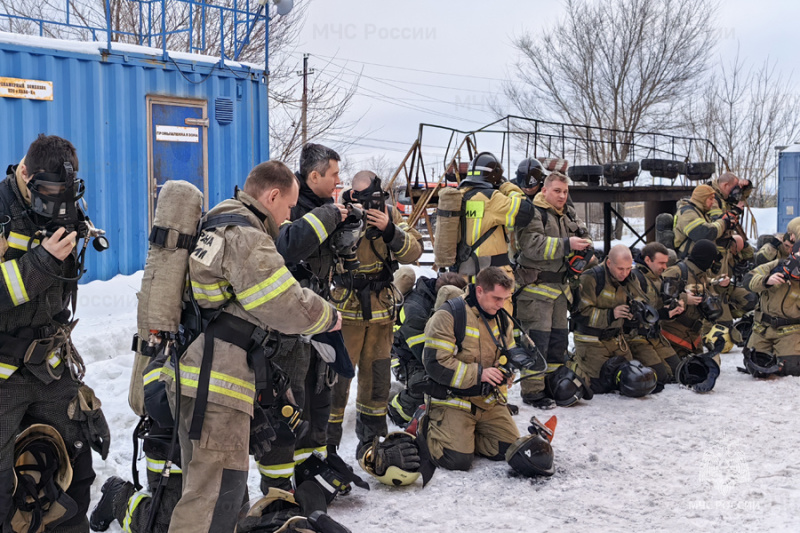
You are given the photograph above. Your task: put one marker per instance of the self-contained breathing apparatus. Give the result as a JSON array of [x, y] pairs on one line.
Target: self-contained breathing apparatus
[[169, 320]]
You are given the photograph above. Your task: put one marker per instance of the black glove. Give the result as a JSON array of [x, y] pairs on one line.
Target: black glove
[[261, 432], [730, 220], [400, 451], [85, 409]]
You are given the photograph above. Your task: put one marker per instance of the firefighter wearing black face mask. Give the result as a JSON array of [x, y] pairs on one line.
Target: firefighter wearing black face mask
[[366, 297], [774, 346], [693, 281], [40, 370]]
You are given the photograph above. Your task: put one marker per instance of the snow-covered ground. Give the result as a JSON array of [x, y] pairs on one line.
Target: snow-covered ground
[[676, 461]]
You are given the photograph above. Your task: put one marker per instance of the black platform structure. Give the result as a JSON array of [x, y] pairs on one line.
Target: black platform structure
[[607, 166]]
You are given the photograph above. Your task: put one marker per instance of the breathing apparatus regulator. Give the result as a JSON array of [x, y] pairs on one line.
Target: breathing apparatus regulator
[[57, 202]]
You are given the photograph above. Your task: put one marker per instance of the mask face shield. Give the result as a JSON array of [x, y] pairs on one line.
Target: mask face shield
[[55, 197], [735, 195]]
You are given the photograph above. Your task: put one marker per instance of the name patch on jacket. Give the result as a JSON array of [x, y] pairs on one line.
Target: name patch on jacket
[[207, 248], [474, 209]]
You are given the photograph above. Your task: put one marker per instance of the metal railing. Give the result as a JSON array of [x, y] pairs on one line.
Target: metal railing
[[233, 23]]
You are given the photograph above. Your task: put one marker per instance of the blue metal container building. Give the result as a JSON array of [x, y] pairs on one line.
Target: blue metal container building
[[788, 185], [137, 116]]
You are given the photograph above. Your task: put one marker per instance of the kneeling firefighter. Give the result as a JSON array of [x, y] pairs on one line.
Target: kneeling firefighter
[[41, 372], [225, 380], [468, 343]]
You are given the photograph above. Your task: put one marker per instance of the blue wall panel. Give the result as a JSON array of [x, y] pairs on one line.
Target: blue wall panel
[[99, 104], [788, 188]]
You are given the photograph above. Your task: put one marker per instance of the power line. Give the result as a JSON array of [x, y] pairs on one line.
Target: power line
[[411, 69], [425, 84], [434, 99]]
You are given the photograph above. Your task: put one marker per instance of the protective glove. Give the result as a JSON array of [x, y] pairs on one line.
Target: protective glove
[[261, 432], [401, 452], [730, 220], [85, 408]]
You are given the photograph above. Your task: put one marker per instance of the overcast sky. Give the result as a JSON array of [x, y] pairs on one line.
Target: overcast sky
[[443, 61]]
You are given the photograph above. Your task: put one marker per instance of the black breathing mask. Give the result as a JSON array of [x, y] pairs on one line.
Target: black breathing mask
[[55, 197]]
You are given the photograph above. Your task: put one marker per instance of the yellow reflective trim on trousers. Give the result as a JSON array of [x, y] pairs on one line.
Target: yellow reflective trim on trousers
[[13, 279], [284, 470], [693, 224], [357, 315], [371, 411], [156, 465], [19, 241], [516, 202], [416, 339], [188, 381], [212, 292], [399, 409], [453, 402], [322, 324], [335, 418], [586, 338], [152, 376], [7, 370], [439, 344], [133, 503], [472, 332], [267, 290], [319, 227], [542, 290], [458, 375], [302, 454]]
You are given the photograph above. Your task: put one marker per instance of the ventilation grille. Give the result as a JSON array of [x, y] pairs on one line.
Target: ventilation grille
[[223, 110]]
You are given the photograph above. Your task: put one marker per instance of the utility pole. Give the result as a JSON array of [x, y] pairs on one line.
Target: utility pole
[[305, 72]]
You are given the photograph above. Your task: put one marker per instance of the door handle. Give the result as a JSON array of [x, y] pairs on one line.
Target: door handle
[[196, 122]]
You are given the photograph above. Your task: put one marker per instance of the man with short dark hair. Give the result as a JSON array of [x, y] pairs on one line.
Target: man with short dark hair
[[649, 346], [473, 417], [41, 373], [554, 235], [305, 244], [244, 290]]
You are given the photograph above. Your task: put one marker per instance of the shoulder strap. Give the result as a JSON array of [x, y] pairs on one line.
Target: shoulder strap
[[642, 280], [458, 308], [684, 272], [218, 221], [599, 279], [544, 214]]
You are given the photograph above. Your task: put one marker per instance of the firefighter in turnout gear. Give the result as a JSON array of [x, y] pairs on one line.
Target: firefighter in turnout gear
[[490, 206], [775, 341], [305, 244], [243, 289], [693, 222], [650, 347], [40, 370], [691, 281], [777, 247], [543, 300], [603, 356], [472, 416], [366, 298], [409, 339]]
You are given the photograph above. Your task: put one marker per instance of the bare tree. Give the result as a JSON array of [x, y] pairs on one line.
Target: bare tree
[[133, 23], [615, 64], [746, 112]]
